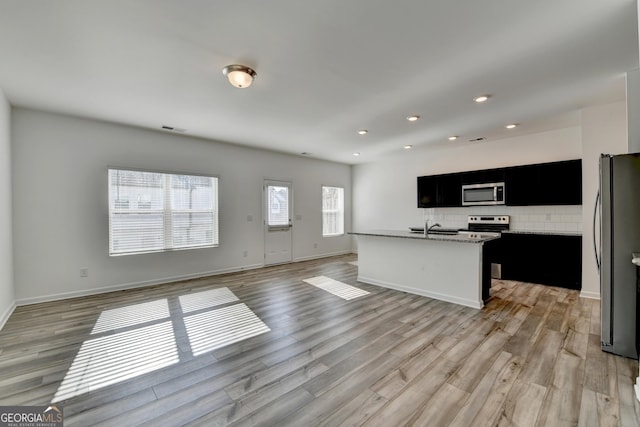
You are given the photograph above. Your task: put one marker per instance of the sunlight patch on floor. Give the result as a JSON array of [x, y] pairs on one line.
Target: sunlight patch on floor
[[336, 288], [218, 328], [136, 314], [206, 299], [114, 358], [354, 263]]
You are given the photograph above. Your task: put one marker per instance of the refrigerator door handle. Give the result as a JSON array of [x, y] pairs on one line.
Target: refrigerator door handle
[[595, 245]]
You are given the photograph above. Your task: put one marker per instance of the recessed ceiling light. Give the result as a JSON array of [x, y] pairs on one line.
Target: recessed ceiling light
[[511, 126], [356, 154], [453, 138], [413, 118], [481, 98], [408, 147], [363, 132]]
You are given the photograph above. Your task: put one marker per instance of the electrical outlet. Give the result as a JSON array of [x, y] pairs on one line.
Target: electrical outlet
[[315, 246], [245, 254], [84, 272]]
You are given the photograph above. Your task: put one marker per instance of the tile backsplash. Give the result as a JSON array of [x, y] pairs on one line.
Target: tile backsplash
[[523, 218]]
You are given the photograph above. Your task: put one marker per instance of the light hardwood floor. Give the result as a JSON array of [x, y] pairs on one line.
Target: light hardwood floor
[[156, 356]]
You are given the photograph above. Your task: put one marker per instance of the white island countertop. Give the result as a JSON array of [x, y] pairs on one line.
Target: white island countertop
[[460, 238]]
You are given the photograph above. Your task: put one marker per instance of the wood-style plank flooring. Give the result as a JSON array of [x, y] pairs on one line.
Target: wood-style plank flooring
[[165, 356]]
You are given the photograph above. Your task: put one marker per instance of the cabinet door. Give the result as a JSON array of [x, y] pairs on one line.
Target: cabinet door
[[521, 186], [427, 191], [483, 176], [560, 183], [554, 260], [449, 190], [557, 183]]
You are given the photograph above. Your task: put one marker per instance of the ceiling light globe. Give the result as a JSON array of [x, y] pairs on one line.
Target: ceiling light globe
[[239, 76]]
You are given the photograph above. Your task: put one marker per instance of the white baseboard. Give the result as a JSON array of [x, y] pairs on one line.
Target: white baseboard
[[123, 286], [312, 257], [159, 281], [7, 313], [422, 292], [590, 295]]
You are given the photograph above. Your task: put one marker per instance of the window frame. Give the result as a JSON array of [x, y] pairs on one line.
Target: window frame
[[340, 211], [167, 212]]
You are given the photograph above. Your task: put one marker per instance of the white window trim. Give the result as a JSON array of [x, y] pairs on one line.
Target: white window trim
[[338, 210], [167, 212]]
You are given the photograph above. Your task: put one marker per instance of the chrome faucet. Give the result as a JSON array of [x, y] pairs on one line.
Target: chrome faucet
[[429, 229]]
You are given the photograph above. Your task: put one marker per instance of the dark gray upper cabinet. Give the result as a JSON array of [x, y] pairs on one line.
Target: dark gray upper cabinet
[[483, 176], [450, 190], [557, 183], [440, 191], [428, 191]]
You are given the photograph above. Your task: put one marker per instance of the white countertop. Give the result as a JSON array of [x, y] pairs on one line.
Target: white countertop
[[460, 238]]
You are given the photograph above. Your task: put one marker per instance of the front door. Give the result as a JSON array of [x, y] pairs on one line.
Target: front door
[[277, 225]]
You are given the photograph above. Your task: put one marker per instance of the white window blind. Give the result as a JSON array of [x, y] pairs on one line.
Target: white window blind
[[332, 211], [152, 211], [278, 209]]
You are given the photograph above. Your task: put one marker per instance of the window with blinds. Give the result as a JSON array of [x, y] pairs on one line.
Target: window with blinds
[[278, 207], [332, 211], [152, 211]]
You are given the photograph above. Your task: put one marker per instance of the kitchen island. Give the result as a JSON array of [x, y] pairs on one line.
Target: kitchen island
[[450, 268]]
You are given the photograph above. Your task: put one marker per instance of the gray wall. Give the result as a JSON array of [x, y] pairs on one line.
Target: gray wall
[[7, 297], [60, 204]]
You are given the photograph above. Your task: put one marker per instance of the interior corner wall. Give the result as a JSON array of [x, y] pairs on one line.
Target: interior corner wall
[[61, 209], [633, 110], [7, 294], [604, 130]]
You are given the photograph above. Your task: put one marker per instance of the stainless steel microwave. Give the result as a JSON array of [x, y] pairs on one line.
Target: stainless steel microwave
[[483, 194]]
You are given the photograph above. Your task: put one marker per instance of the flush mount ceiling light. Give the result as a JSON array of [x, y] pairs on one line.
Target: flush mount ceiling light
[[239, 76], [480, 99], [453, 138], [408, 147], [413, 118], [511, 126], [363, 132], [356, 154]]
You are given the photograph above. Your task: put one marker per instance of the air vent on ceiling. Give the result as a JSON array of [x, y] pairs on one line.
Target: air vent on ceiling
[[174, 129], [477, 139]]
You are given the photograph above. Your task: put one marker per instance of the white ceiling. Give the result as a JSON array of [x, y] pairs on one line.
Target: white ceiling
[[326, 68]]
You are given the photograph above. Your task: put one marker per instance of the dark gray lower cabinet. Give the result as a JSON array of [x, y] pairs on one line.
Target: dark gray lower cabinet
[[554, 260]]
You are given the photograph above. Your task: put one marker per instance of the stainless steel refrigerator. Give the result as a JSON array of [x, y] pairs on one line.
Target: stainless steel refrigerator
[[619, 213]]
